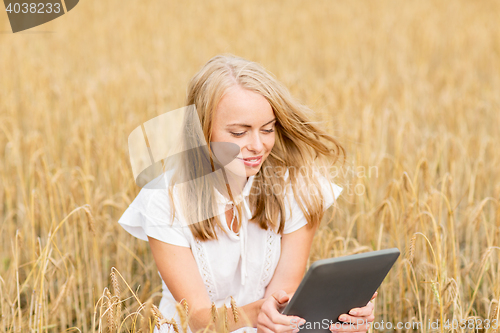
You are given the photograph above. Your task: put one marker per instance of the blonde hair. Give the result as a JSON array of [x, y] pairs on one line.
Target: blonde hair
[[300, 147]]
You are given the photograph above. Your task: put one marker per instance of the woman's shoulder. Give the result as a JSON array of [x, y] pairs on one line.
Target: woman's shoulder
[[154, 197], [150, 214]]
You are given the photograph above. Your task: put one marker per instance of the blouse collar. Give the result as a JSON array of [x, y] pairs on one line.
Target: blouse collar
[[223, 202], [244, 193]]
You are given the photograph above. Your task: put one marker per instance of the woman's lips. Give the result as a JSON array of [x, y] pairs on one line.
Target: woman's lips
[[252, 161]]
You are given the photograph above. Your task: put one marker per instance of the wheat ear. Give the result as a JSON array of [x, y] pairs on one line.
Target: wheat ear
[[235, 310], [181, 310], [111, 317]]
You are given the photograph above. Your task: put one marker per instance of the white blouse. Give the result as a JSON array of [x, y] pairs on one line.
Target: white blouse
[[238, 264]]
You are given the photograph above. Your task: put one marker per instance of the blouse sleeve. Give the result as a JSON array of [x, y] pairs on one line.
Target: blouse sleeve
[[150, 215], [297, 219]]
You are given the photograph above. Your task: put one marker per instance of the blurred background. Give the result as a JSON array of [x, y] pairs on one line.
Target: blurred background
[[410, 88]]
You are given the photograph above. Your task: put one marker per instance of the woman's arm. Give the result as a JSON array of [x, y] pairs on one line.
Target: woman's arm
[[295, 248], [180, 273]]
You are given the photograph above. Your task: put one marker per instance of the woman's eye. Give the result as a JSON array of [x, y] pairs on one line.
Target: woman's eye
[[237, 134], [269, 131]]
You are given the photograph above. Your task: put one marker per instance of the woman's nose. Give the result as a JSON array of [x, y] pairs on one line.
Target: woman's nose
[[255, 143]]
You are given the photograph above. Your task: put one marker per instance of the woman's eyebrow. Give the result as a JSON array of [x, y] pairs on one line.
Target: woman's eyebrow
[[246, 125]]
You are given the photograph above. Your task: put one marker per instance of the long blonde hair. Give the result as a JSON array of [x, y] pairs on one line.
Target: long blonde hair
[[300, 147]]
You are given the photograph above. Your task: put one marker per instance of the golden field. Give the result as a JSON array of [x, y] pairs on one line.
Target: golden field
[[410, 88]]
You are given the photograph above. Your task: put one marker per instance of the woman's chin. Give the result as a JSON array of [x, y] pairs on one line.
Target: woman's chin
[[252, 172], [248, 172]]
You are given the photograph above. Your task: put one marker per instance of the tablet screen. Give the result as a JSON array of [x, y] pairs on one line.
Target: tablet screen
[[333, 286]]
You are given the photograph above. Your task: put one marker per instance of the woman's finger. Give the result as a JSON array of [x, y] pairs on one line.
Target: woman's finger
[[280, 296], [356, 319], [292, 325], [296, 322], [273, 320], [353, 323], [275, 317], [374, 295], [363, 311]]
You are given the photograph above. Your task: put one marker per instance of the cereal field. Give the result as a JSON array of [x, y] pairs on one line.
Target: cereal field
[[410, 88]]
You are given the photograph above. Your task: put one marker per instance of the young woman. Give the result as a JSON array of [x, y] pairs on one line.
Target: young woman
[[272, 198]]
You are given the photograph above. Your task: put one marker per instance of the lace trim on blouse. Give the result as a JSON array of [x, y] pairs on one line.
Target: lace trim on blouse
[[271, 238], [206, 272]]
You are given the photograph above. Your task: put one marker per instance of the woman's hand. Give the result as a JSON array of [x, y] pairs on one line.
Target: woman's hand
[[359, 319], [270, 320]]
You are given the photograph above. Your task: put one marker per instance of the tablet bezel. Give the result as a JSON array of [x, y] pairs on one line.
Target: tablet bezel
[[375, 264]]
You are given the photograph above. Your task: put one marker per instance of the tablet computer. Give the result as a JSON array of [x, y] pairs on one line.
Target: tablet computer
[[334, 286]]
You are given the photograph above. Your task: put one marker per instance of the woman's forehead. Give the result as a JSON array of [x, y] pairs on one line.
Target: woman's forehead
[[243, 107]]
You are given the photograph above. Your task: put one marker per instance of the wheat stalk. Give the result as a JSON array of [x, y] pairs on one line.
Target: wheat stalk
[[226, 318], [234, 310], [182, 311], [62, 293], [144, 324], [90, 218], [214, 313], [411, 251], [116, 292], [110, 311]]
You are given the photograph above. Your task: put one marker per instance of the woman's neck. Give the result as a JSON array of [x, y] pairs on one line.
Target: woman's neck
[[236, 183]]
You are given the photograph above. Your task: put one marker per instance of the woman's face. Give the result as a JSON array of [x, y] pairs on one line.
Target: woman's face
[[247, 119]]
